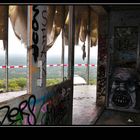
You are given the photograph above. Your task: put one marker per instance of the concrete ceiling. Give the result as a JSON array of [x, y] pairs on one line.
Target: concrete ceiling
[[100, 10], [121, 7]]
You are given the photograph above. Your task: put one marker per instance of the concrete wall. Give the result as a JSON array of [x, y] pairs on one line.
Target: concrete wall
[[121, 18], [102, 58]]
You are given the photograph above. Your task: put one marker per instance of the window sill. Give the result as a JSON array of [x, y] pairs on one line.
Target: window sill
[[8, 96]]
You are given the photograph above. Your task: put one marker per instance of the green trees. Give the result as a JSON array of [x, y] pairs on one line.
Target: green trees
[[93, 82], [2, 86], [51, 82], [15, 84], [21, 82]]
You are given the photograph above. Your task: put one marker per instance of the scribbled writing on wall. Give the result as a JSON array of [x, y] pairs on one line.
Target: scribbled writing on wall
[[52, 111], [44, 32], [125, 47], [102, 65], [44, 39], [10, 114], [35, 36], [57, 111]]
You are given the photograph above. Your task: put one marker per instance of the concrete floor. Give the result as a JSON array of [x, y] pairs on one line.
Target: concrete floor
[[112, 117], [84, 105], [11, 95]]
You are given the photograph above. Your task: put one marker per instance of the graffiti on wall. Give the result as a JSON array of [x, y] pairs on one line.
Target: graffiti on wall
[[36, 27], [124, 80], [57, 108], [44, 39], [125, 46], [35, 36], [53, 110], [11, 113], [102, 61]]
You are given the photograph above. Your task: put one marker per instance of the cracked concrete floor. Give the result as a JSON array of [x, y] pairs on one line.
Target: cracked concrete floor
[[84, 104]]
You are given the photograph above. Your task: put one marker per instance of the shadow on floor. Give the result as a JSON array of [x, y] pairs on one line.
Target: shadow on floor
[[112, 117]]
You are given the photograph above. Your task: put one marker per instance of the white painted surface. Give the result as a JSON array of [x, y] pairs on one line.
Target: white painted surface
[[84, 104], [11, 95], [79, 80]]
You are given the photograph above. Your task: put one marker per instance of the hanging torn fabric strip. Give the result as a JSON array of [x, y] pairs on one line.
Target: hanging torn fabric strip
[[18, 17], [84, 24], [57, 26], [77, 17], [84, 52], [4, 24], [94, 28]]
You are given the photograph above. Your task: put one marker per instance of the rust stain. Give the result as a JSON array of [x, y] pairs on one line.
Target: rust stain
[[34, 69], [30, 54]]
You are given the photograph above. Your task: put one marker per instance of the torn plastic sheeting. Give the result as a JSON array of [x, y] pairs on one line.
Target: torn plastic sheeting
[[84, 24], [58, 24], [18, 17], [77, 16], [94, 28], [4, 25], [3, 22]]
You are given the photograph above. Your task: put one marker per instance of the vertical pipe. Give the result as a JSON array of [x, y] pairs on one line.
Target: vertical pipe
[[89, 44], [109, 63], [29, 50], [63, 45], [71, 43], [29, 40], [6, 64], [62, 57], [138, 49], [6, 50]]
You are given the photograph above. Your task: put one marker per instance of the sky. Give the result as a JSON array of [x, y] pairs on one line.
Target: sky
[[15, 45], [56, 49]]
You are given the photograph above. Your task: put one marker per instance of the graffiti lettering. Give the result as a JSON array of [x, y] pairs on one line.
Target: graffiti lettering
[[44, 39], [57, 111], [53, 111], [44, 32], [35, 27], [11, 114], [5, 107]]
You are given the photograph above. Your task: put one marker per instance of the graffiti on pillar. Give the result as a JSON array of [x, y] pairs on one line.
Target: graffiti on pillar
[[44, 31], [35, 36], [44, 38], [102, 61]]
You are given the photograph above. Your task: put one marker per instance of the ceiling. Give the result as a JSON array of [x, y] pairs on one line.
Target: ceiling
[[121, 7]]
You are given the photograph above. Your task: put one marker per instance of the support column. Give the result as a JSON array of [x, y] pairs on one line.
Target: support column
[[6, 50], [71, 42], [89, 45], [62, 57]]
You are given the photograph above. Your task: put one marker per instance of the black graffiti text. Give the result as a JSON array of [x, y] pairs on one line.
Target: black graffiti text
[[35, 36], [11, 114]]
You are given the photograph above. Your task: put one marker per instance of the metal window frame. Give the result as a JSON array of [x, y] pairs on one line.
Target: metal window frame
[[7, 52]]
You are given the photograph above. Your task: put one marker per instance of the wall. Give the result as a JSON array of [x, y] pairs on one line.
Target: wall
[[122, 18], [49, 109], [102, 58], [41, 106]]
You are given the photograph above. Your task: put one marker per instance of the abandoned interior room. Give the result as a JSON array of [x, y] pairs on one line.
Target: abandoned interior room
[[69, 65]]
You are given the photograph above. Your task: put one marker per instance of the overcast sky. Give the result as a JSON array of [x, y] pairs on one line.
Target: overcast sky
[[56, 49], [15, 45]]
